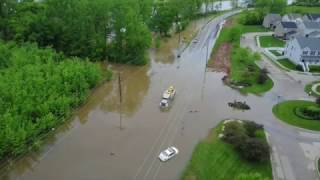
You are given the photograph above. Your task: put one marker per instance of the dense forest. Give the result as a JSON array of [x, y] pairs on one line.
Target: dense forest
[[38, 88]]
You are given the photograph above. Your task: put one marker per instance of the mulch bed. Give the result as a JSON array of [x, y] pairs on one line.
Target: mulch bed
[[221, 59]]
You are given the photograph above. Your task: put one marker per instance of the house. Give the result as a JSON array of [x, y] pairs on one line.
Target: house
[[314, 34], [303, 51], [305, 28], [312, 17], [292, 17], [285, 30], [271, 20]]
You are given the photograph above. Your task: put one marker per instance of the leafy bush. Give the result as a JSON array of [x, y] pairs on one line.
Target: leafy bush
[[254, 149], [252, 18], [310, 112], [262, 78], [251, 176], [243, 137], [299, 68], [234, 133], [252, 127], [38, 89]]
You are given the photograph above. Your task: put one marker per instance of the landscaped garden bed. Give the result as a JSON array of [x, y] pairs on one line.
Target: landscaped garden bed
[[275, 52], [300, 113], [232, 150], [290, 65], [242, 72], [308, 89], [314, 69]]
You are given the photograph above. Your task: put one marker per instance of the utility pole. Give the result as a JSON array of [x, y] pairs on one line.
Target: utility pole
[[120, 100]]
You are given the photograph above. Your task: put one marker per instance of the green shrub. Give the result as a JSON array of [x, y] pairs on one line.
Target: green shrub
[[234, 133], [251, 176], [243, 137], [310, 112], [299, 68], [254, 149], [252, 127]]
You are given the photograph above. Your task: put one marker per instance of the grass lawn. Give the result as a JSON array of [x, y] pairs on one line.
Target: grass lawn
[[302, 9], [257, 88], [308, 87], [239, 70], [285, 112], [288, 64], [270, 41], [241, 59], [314, 69], [215, 159], [275, 52]]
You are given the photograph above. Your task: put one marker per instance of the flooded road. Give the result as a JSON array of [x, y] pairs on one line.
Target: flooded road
[[92, 145]]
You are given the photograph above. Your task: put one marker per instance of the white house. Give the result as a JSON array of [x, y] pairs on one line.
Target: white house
[[305, 28], [303, 51], [292, 17], [271, 20], [285, 30], [312, 17]]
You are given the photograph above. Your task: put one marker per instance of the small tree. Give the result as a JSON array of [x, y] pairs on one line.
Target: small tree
[[252, 127], [255, 149]]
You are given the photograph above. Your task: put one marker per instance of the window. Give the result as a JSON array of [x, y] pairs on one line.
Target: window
[[312, 53], [305, 52], [318, 53]]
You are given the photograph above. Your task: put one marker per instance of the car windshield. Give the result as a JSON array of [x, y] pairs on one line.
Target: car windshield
[[168, 152]]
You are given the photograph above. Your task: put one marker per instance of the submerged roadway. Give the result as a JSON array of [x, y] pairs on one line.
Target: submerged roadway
[[97, 145]]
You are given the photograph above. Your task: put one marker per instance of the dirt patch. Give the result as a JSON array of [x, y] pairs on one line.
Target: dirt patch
[[221, 60], [229, 23]]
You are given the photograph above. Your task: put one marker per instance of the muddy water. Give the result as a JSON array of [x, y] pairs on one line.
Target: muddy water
[[93, 146]]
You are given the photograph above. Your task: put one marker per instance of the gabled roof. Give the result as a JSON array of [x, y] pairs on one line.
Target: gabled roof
[[273, 17], [311, 43], [293, 16], [288, 24], [313, 16], [311, 25], [314, 33]]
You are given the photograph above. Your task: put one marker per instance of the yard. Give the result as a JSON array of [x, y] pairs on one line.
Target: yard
[[275, 52], [285, 111], [288, 64], [241, 70], [270, 41], [314, 69], [215, 159]]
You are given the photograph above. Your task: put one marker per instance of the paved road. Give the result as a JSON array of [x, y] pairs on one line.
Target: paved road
[[294, 150]]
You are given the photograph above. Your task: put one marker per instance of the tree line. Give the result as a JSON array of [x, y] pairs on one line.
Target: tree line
[[39, 88], [119, 31]]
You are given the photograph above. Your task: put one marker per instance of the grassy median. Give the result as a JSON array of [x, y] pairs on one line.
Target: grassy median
[[285, 111], [215, 159]]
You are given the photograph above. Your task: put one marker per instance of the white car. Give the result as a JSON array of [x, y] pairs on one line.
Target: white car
[[168, 153]]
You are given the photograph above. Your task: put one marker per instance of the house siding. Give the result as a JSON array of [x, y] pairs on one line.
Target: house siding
[[293, 51]]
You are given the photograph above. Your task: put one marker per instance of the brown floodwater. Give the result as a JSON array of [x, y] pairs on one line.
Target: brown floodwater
[[93, 146]]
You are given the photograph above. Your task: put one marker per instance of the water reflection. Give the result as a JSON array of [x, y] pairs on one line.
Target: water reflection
[[135, 84]]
